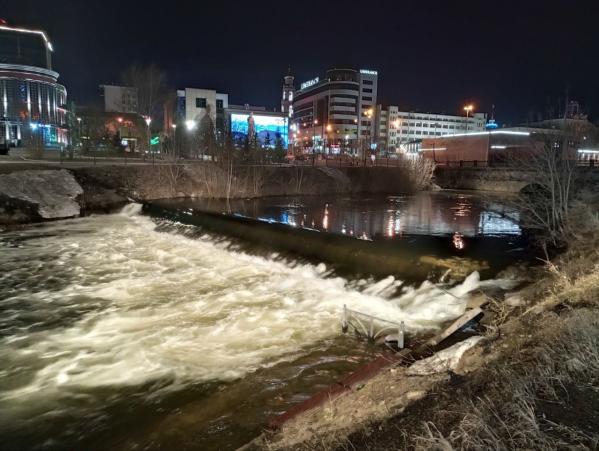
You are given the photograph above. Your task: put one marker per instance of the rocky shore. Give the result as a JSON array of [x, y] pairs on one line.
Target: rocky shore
[[44, 193]]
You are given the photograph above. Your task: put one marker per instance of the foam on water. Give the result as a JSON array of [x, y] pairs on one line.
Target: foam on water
[[111, 301]]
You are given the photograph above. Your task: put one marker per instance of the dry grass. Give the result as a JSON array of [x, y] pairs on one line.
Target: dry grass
[[531, 400], [534, 384]]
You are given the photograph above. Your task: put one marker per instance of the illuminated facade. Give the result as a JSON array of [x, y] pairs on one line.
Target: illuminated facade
[[335, 113], [395, 129], [202, 108], [32, 103], [288, 93], [267, 127]]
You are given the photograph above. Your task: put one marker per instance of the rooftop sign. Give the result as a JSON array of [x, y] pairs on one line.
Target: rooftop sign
[[368, 72], [309, 83]]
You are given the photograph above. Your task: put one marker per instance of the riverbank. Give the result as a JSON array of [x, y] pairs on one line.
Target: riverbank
[[529, 383], [36, 193]]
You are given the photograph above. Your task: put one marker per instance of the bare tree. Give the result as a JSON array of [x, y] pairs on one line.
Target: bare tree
[[150, 84], [172, 169], [546, 202], [419, 171]]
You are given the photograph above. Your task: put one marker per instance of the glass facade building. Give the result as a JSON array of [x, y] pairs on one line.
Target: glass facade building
[[32, 102]]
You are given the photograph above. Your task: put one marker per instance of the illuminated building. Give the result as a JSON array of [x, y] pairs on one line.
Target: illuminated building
[[32, 103], [335, 113], [202, 107], [397, 130], [268, 127], [288, 93]]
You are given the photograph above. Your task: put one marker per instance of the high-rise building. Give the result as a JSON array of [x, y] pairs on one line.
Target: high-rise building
[[335, 113], [32, 103], [400, 130]]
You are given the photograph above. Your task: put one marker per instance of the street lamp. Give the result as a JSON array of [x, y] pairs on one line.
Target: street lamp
[[314, 138], [328, 129], [148, 120], [368, 113], [468, 109], [190, 125]]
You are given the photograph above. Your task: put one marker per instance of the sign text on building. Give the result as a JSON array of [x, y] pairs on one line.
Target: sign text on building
[[309, 83]]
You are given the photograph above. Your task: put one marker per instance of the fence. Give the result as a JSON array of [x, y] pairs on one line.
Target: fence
[[364, 324], [501, 164], [348, 161]]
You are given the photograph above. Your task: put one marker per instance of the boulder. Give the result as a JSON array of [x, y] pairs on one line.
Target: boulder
[[37, 195]]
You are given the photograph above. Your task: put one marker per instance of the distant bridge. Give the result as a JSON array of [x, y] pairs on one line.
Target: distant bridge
[[500, 179]]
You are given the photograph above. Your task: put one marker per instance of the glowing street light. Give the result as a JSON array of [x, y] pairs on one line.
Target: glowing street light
[[190, 125], [119, 120], [329, 128], [468, 109]]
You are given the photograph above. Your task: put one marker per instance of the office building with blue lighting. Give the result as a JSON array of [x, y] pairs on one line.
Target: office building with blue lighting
[[32, 102]]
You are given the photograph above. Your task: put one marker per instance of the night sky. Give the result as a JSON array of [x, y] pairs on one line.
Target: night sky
[[430, 55]]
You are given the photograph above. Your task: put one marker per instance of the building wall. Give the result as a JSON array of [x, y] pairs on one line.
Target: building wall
[[32, 103], [119, 99], [485, 148], [335, 113], [395, 128], [196, 103], [368, 101], [465, 148]]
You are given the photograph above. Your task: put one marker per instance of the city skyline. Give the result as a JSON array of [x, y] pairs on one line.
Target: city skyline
[[517, 57]]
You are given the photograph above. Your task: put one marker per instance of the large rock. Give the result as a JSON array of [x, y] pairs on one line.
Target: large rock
[[38, 194]]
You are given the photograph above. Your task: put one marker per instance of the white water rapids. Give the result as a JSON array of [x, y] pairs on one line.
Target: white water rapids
[[110, 301]]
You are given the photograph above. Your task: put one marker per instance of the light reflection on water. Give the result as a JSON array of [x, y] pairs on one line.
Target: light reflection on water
[[433, 214], [118, 334]]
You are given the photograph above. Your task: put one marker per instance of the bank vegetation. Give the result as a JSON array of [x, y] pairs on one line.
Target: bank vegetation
[[531, 382]]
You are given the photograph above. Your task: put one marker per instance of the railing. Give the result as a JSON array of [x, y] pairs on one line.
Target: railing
[[463, 164], [364, 324], [502, 164], [346, 161]]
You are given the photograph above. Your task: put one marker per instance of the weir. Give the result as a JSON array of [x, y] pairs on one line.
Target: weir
[[413, 257], [152, 315]]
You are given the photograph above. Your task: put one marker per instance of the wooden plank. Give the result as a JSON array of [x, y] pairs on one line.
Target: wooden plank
[[455, 326]]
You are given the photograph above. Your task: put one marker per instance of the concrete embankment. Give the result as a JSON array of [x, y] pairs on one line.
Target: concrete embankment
[[43, 193], [482, 179]]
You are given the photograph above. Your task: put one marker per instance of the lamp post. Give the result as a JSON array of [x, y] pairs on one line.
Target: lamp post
[[368, 114], [468, 109], [329, 128], [175, 152], [148, 120], [190, 125]]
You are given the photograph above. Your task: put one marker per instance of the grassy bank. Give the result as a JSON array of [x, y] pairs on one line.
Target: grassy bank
[[532, 382]]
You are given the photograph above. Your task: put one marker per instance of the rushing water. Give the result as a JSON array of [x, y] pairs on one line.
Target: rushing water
[[123, 332]]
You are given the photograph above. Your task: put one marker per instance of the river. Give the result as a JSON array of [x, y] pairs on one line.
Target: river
[[125, 331]]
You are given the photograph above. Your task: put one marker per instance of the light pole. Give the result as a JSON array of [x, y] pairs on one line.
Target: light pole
[[190, 125], [468, 109], [368, 114], [329, 128], [148, 120], [174, 127]]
